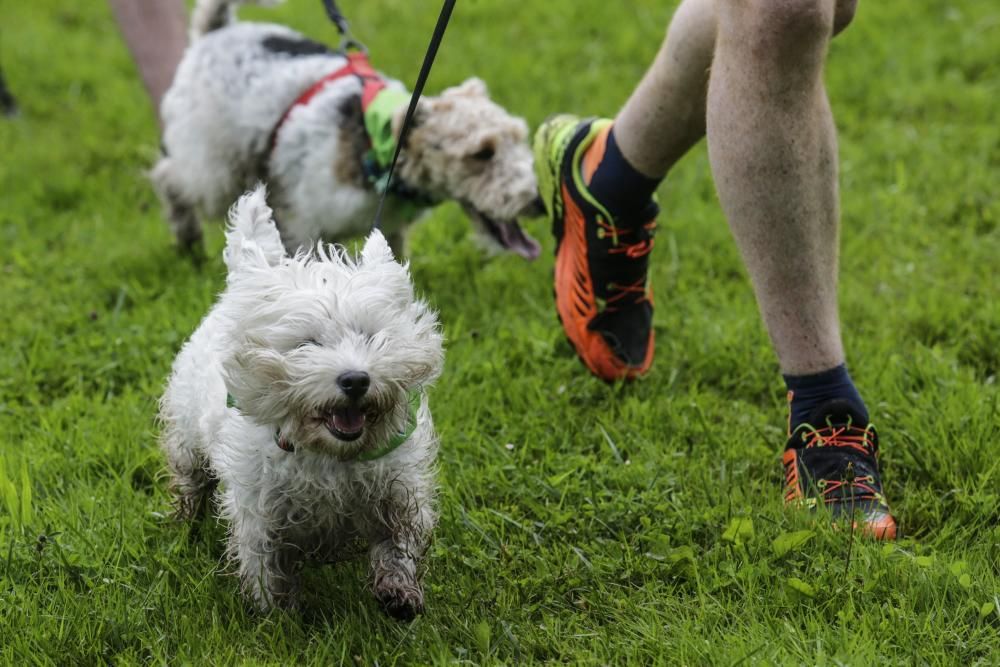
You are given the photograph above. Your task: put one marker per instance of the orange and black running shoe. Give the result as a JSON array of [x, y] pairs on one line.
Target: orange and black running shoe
[[833, 459], [603, 296]]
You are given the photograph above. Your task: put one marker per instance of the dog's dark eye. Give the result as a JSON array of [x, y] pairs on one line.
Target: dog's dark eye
[[308, 341], [484, 154]]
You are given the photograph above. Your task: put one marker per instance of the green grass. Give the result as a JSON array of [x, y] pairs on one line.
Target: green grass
[[579, 522]]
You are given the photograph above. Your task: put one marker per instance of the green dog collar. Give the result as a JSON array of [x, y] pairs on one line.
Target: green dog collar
[[400, 437], [394, 442]]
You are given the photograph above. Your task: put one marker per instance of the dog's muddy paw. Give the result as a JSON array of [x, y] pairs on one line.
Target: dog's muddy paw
[[401, 602]]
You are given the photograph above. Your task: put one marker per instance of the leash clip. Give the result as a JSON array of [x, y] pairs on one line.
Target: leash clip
[[348, 45], [347, 41]]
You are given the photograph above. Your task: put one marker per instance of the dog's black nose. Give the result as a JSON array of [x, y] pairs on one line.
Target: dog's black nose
[[354, 383]]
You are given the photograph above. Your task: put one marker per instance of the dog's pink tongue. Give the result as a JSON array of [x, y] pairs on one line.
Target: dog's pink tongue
[[348, 420], [517, 240]]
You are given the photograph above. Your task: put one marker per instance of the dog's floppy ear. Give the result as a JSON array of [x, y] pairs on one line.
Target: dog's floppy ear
[[376, 250]]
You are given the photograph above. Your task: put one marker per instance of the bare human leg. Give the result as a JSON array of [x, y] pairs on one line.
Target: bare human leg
[[669, 102], [748, 73], [772, 146], [156, 34]]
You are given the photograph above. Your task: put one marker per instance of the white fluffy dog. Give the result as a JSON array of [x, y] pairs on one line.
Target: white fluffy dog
[[259, 102], [302, 394]]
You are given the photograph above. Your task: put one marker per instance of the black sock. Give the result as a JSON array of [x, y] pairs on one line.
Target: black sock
[[618, 185], [808, 392]]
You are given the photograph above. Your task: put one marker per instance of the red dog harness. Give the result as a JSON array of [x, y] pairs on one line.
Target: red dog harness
[[357, 65]]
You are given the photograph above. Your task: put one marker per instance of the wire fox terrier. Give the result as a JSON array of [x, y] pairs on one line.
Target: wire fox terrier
[[259, 102]]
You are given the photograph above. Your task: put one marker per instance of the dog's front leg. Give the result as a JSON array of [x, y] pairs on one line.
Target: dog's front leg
[[267, 563], [178, 206], [395, 582], [398, 541]]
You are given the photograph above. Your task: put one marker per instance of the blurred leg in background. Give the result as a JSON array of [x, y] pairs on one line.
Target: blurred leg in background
[[7, 102], [156, 34]]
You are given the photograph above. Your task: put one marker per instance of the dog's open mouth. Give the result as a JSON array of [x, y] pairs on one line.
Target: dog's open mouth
[[506, 233], [346, 423]]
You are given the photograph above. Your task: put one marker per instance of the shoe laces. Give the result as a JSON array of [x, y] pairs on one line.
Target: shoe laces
[[622, 291], [628, 251], [849, 486], [839, 435], [635, 250]]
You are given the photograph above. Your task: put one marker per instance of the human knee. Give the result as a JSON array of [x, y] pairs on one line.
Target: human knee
[[787, 22]]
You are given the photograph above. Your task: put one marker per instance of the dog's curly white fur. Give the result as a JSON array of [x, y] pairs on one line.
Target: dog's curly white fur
[[282, 338], [235, 84]]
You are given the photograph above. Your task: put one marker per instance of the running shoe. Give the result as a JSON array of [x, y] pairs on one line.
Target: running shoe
[[833, 459], [603, 297]]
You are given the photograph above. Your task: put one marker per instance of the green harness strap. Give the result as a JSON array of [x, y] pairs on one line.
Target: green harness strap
[[378, 123], [408, 201]]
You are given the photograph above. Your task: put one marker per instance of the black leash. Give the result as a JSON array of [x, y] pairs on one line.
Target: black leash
[[418, 89], [425, 69], [337, 17]]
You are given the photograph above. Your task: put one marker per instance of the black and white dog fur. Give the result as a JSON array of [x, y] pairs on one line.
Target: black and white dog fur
[[221, 135]]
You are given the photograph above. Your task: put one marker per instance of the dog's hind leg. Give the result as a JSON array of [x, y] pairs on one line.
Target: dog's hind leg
[[179, 211], [190, 480]]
